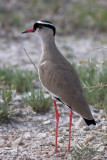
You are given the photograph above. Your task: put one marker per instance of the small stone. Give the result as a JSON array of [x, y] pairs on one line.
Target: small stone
[[5, 137], [59, 103], [47, 122], [81, 123], [88, 139], [52, 153], [8, 144], [68, 156], [43, 152], [41, 135], [62, 153], [86, 128], [2, 141], [51, 142], [18, 141], [47, 155], [61, 129], [95, 115], [52, 130], [98, 126], [60, 139], [105, 143], [101, 148], [102, 112], [7, 148], [38, 156], [52, 137], [104, 128], [64, 130], [14, 150], [18, 98], [27, 136], [53, 133], [92, 126], [96, 110]]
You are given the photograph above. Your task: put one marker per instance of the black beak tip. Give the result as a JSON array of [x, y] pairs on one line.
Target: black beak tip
[[24, 32]]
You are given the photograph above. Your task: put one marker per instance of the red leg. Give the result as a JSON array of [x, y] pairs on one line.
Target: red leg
[[57, 121], [70, 123]]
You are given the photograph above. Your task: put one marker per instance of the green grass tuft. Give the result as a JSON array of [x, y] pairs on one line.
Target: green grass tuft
[[19, 80], [38, 102], [69, 56], [4, 105], [91, 75], [82, 152], [7, 75], [22, 81]]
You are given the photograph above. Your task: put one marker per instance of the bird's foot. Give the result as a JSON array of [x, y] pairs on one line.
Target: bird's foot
[[56, 150]]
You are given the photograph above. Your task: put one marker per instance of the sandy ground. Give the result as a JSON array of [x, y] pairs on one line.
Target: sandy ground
[[31, 136]]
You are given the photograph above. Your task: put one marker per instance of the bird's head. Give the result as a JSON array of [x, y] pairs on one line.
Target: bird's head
[[43, 27]]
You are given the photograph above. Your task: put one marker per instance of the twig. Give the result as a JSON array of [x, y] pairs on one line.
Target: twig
[[97, 63], [105, 85], [31, 60]]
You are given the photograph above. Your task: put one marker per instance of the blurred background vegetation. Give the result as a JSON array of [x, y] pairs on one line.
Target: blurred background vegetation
[[70, 16]]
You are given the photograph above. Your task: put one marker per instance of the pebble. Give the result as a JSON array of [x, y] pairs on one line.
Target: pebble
[[43, 152], [86, 128], [41, 135], [51, 153], [27, 136], [52, 137], [80, 123], [105, 143], [69, 157], [104, 128], [47, 122], [60, 139], [8, 144], [89, 138], [7, 148], [2, 141], [101, 148], [5, 137], [98, 126], [95, 115], [18, 98], [64, 131], [96, 110], [18, 141]]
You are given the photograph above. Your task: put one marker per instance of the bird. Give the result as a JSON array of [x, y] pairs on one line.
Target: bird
[[59, 78]]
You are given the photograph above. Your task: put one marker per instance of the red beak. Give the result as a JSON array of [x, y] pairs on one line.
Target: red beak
[[29, 30]]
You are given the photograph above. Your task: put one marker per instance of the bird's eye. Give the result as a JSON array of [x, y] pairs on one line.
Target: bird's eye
[[40, 26]]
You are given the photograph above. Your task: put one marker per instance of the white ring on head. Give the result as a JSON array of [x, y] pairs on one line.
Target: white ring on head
[[40, 22]]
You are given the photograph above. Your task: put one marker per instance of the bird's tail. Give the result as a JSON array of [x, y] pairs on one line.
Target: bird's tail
[[90, 122]]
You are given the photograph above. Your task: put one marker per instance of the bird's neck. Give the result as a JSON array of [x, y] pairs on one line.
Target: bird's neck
[[48, 44]]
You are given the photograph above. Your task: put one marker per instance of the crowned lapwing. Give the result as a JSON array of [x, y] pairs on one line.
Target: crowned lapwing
[[59, 77]]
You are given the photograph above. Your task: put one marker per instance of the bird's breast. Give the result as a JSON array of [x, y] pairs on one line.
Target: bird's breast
[[47, 77]]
